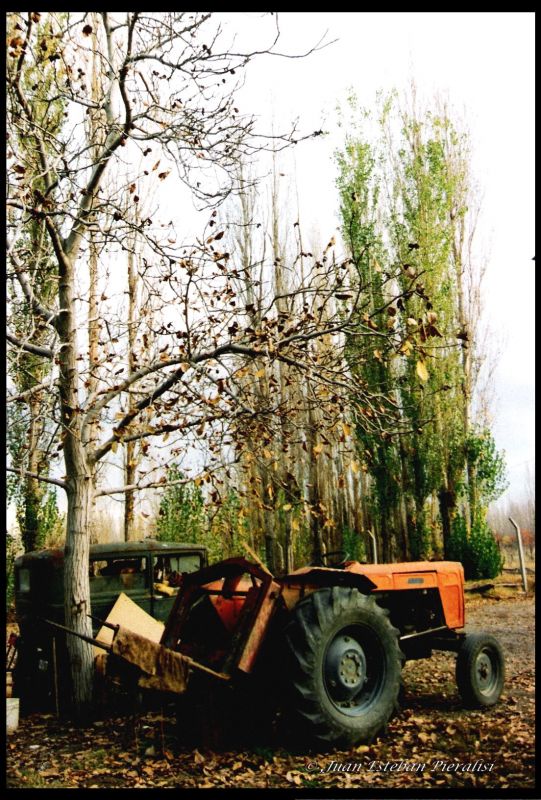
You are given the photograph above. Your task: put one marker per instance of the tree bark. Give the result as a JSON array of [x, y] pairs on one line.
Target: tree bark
[[80, 476], [30, 529], [76, 583], [130, 447], [93, 358]]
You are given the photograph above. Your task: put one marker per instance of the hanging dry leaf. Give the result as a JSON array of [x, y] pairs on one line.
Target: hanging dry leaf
[[421, 370]]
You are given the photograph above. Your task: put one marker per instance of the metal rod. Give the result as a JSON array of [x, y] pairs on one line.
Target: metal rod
[[80, 635], [55, 675], [520, 554], [97, 643], [104, 623], [208, 670], [423, 633], [374, 546]]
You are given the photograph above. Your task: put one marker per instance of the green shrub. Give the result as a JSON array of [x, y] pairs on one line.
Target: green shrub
[[354, 545], [484, 552], [479, 552], [181, 517], [185, 516], [419, 539]]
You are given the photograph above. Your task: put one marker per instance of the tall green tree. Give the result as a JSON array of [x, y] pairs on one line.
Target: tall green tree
[[31, 405], [359, 186], [407, 198]]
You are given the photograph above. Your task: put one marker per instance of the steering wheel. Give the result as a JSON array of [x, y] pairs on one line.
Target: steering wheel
[[343, 555], [174, 578]]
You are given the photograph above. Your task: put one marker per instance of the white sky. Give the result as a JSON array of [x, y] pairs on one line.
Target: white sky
[[484, 63]]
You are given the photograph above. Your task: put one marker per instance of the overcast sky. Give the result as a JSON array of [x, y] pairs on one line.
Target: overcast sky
[[483, 62]]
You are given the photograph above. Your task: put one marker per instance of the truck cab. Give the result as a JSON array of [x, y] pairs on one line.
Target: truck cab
[[148, 572]]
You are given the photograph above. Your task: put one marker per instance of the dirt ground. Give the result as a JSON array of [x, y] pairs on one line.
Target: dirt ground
[[432, 742]]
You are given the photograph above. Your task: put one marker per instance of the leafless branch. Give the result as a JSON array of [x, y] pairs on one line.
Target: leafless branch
[[35, 349], [43, 478]]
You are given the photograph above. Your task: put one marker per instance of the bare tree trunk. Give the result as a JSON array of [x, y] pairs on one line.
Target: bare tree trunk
[[360, 493], [96, 139], [314, 494], [405, 500], [80, 491], [130, 447], [76, 583], [281, 287], [33, 489], [93, 358], [465, 327]]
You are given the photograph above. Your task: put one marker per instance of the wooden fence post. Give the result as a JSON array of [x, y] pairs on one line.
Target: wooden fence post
[[520, 554]]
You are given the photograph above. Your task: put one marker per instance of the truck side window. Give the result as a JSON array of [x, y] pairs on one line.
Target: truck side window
[[168, 567], [167, 570]]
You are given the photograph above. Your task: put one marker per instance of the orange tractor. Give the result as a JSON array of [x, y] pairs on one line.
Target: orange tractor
[[327, 643]]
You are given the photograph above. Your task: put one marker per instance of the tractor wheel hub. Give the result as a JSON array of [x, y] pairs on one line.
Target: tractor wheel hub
[[345, 667], [484, 670]]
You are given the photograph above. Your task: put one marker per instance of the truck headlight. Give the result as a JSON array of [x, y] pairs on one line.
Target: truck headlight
[[24, 580]]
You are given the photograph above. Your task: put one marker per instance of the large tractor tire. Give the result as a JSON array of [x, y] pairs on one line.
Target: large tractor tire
[[480, 670], [345, 668]]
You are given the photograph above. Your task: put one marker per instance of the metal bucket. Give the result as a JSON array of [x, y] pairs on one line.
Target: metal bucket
[[12, 714]]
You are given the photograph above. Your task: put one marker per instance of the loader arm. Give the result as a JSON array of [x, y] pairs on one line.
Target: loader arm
[[235, 596]]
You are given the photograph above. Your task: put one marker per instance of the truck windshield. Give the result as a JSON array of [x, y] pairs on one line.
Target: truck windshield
[[118, 574]]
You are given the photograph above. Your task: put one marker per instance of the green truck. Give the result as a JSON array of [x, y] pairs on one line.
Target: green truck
[[148, 572]]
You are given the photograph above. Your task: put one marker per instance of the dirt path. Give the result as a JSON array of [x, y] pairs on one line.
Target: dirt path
[[432, 742]]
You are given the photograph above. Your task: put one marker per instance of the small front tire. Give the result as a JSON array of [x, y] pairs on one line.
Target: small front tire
[[480, 670]]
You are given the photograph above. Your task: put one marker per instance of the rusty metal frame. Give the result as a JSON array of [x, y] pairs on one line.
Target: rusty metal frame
[[254, 618]]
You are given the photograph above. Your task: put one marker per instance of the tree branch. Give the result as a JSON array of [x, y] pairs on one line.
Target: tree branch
[[112, 143], [27, 110], [35, 349], [45, 313], [13, 398], [42, 478], [131, 487]]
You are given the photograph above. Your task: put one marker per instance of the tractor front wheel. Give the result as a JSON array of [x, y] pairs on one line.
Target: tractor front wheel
[[345, 666], [480, 670]]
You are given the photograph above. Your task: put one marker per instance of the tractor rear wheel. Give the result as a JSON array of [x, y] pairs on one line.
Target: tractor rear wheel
[[480, 670], [345, 666]]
